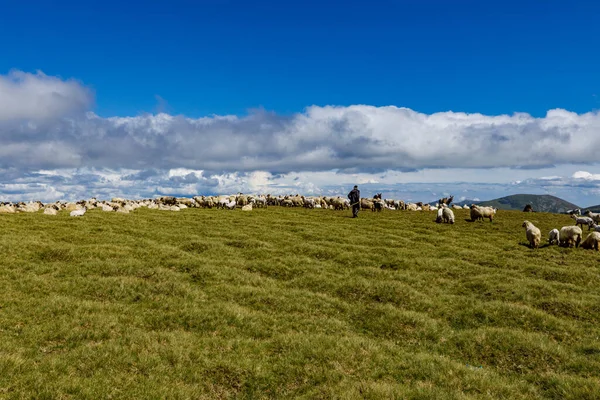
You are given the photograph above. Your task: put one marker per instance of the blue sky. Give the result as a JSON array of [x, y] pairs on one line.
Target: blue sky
[[225, 57], [186, 97]]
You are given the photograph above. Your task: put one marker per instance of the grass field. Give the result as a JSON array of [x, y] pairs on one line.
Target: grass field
[[292, 303]]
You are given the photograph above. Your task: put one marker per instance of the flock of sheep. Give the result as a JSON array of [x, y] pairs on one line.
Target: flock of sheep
[[568, 236], [231, 202]]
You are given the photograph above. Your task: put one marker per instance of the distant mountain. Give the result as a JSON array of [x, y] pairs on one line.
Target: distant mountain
[[593, 208], [542, 203]]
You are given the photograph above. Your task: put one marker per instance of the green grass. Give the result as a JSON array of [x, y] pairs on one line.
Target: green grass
[[292, 303]]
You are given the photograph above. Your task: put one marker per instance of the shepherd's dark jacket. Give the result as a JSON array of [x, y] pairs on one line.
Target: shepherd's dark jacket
[[354, 196]]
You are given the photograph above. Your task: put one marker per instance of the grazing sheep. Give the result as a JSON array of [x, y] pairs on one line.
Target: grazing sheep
[[50, 211], [594, 216], [447, 215], [591, 241], [465, 207], [247, 207], [479, 213], [583, 221], [262, 202], [456, 207], [412, 207], [528, 208], [569, 236], [378, 205], [78, 213], [287, 203], [595, 227], [553, 236], [7, 209], [231, 205], [440, 215], [576, 211], [367, 204], [534, 236]]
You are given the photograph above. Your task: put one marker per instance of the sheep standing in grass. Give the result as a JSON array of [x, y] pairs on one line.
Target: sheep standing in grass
[[591, 241], [479, 213], [595, 227], [553, 236], [447, 215], [594, 216], [583, 221], [534, 236], [440, 215], [570, 235]]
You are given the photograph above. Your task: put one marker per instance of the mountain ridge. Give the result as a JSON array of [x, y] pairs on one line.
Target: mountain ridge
[[539, 202]]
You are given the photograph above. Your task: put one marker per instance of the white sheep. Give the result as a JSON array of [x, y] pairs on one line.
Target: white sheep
[[50, 211], [479, 212], [593, 216], [447, 215], [78, 213], [440, 215], [583, 221], [412, 207], [570, 235], [591, 241], [231, 205], [553, 236], [534, 236], [595, 227]]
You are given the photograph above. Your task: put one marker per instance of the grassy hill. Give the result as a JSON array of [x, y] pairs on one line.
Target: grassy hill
[[540, 203], [289, 303]]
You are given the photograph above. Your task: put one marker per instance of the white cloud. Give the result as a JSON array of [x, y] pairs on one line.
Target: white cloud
[[586, 175], [25, 96], [355, 138]]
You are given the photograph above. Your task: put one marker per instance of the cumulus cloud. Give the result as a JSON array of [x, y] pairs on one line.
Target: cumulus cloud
[[353, 139], [25, 96], [586, 176]]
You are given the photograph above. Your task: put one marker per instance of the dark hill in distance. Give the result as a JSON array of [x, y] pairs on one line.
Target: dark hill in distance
[[593, 208], [541, 203]]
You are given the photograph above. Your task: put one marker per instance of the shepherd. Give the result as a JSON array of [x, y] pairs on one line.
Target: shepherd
[[354, 197]]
